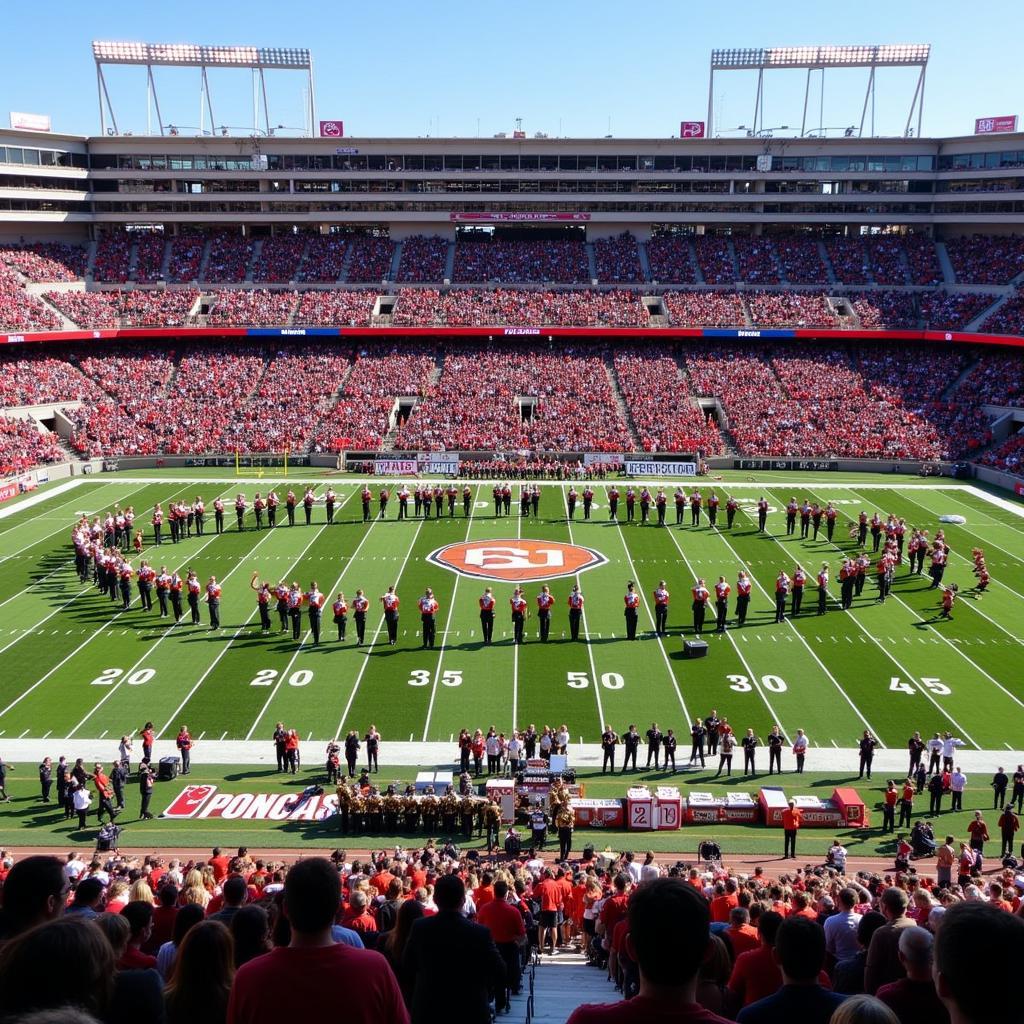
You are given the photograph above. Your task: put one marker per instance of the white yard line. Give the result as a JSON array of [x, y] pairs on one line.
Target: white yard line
[[380, 626], [238, 632], [993, 499], [447, 627], [852, 615], [38, 499]]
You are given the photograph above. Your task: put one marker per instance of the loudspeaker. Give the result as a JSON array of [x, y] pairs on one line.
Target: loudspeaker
[[168, 769], [694, 649]]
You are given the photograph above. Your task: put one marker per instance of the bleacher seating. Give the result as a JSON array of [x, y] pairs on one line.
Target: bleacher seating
[[617, 259], [755, 259], [23, 445], [982, 259], [800, 259], [423, 259], [1007, 318], [46, 261], [370, 259], [251, 308], [715, 259], [150, 257], [789, 309], [113, 257], [705, 309], [229, 257], [669, 259], [20, 311], [279, 258], [133, 308], [325, 257], [186, 257], [517, 262]]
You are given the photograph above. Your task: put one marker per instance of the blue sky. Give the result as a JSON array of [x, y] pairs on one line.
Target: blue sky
[[566, 67]]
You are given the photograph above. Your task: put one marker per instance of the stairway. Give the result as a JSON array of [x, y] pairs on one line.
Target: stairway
[[591, 261], [698, 276], [950, 392], [948, 273], [561, 983], [449, 263], [396, 260], [201, 276], [645, 266], [346, 265], [133, 259], [67, 324], [829, 269], [254, 255], [165, 263], [994, 304], [620, 403], [90, 260]]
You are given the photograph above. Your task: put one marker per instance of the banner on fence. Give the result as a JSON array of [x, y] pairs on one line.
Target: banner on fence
[[660, 467]]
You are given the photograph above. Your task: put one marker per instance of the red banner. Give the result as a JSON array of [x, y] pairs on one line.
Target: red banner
[[512, 215], [691, 129], [8, 489], [332, 129], [995, 125]]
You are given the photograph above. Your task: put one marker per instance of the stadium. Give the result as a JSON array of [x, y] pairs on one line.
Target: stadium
[[646, 375]]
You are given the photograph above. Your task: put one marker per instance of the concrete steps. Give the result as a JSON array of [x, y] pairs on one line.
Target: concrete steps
[[620, 404], [564, 981]]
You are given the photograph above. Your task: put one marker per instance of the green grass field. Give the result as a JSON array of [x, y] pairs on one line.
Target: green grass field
[[75, 666]]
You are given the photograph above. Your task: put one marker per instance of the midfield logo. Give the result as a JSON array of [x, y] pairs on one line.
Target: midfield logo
[[516, 561]]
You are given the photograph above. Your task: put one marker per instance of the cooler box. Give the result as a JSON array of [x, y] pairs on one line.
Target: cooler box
[[442, 780], [773, 802], [503, 791], [639, 809], [599, 813], [167, 769], [817, 813], [668, 807], [740, 808], [423, 781], [849, 804], [704, 808]]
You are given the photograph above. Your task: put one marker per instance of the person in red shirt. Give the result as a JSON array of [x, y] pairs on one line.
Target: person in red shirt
[[724, 900], [742, 935], [549, 894], [508, 930], [791, 821], [139, 915], [668, 939], [302, 981], [358, 918], [220, 865]]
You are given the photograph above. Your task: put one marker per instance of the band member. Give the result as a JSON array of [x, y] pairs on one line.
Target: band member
[[281, 597], [382, 502], [172, 522], [938, 567], [213, 592], [158, 524], [792, 507], [876, 532], [613, 503], [609, 741], [782, 588], [417, 497], [722, 591], [948, 597], [862, 528], [632, 603], [520, 610], [884, 571], [506, 499], [816, 513], [762, 513], [570, 501], [125, 574], [163, 583], [799, 582], [575, 611], [390, 602], [194, 588], [822, 588], [295, 609], [535, 500], [467, 500], [700, 594], [805, 519], [630, 503], [730, 511], [496, 493], [697, 734], [331, 499], [258, 505], [146, 575], [847, 582], [360, 604], [174, 589], [645, 505], [661, 504], [262, 601], [183, 741], [315, 602], [544, 603], [524, 502], [487, 615], [588, 500], [365, 496], [272, 502], [830, 521], [289, 503], [695, 505], [218, 515], [742, 597], [307, 504], [240, 506], [679, 497], [712, 509], [340, 610], [451, 493], [428, 611], [661, 599]]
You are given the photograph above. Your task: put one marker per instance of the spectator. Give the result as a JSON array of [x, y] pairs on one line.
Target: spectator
[[234, 892], [668, 940], [310, 977], [138, 992], [250, 928], [447, 937], [200, 984], [848, 977], [863, 1010], [883, 962], [34, 891], [800, 954], [139, 915], [395, 942], [164, 915], [978, 942], [841, 928], [913, 999], [88, 895], [188, 916], [508, 932], [712, 979]]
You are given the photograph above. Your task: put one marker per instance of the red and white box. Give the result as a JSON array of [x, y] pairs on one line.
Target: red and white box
[[773, 802], [599, 813], [639, 809], [668, 808], [503, 791], [704, 808]]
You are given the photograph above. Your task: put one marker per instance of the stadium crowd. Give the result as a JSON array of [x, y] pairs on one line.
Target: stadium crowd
[[516, 262], [23, 445], [617, 259], [46, 261], [112, 262], [424, 258], [670, 260]]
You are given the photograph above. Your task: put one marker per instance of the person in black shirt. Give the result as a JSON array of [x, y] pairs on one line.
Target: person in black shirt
[[915, 746], [653, 744], [1018, 787], [750, 743], [530, 742], [711, 730], [697, 734], [775, 750], [866, 746], [630, 743], [609, 739], [280, 741], [999, 783], [46, 778], [670, 750], [935, 795]]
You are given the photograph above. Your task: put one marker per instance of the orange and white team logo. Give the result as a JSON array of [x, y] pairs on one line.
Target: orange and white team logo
[[516, 561]]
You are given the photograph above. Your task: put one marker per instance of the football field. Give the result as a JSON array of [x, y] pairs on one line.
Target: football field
[[75, 665]]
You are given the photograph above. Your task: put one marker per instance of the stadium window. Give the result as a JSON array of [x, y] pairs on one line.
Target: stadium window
[[510, 162], [15, 155], [992, 161], [716, 163], [490, 162], [627, 163], [548, 161], [528, 162], [646, 163], [413, 162], [433, 162], [699, 163], [453, 163], [588, 163], [977, 161], [607, 163], [664, 163]]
